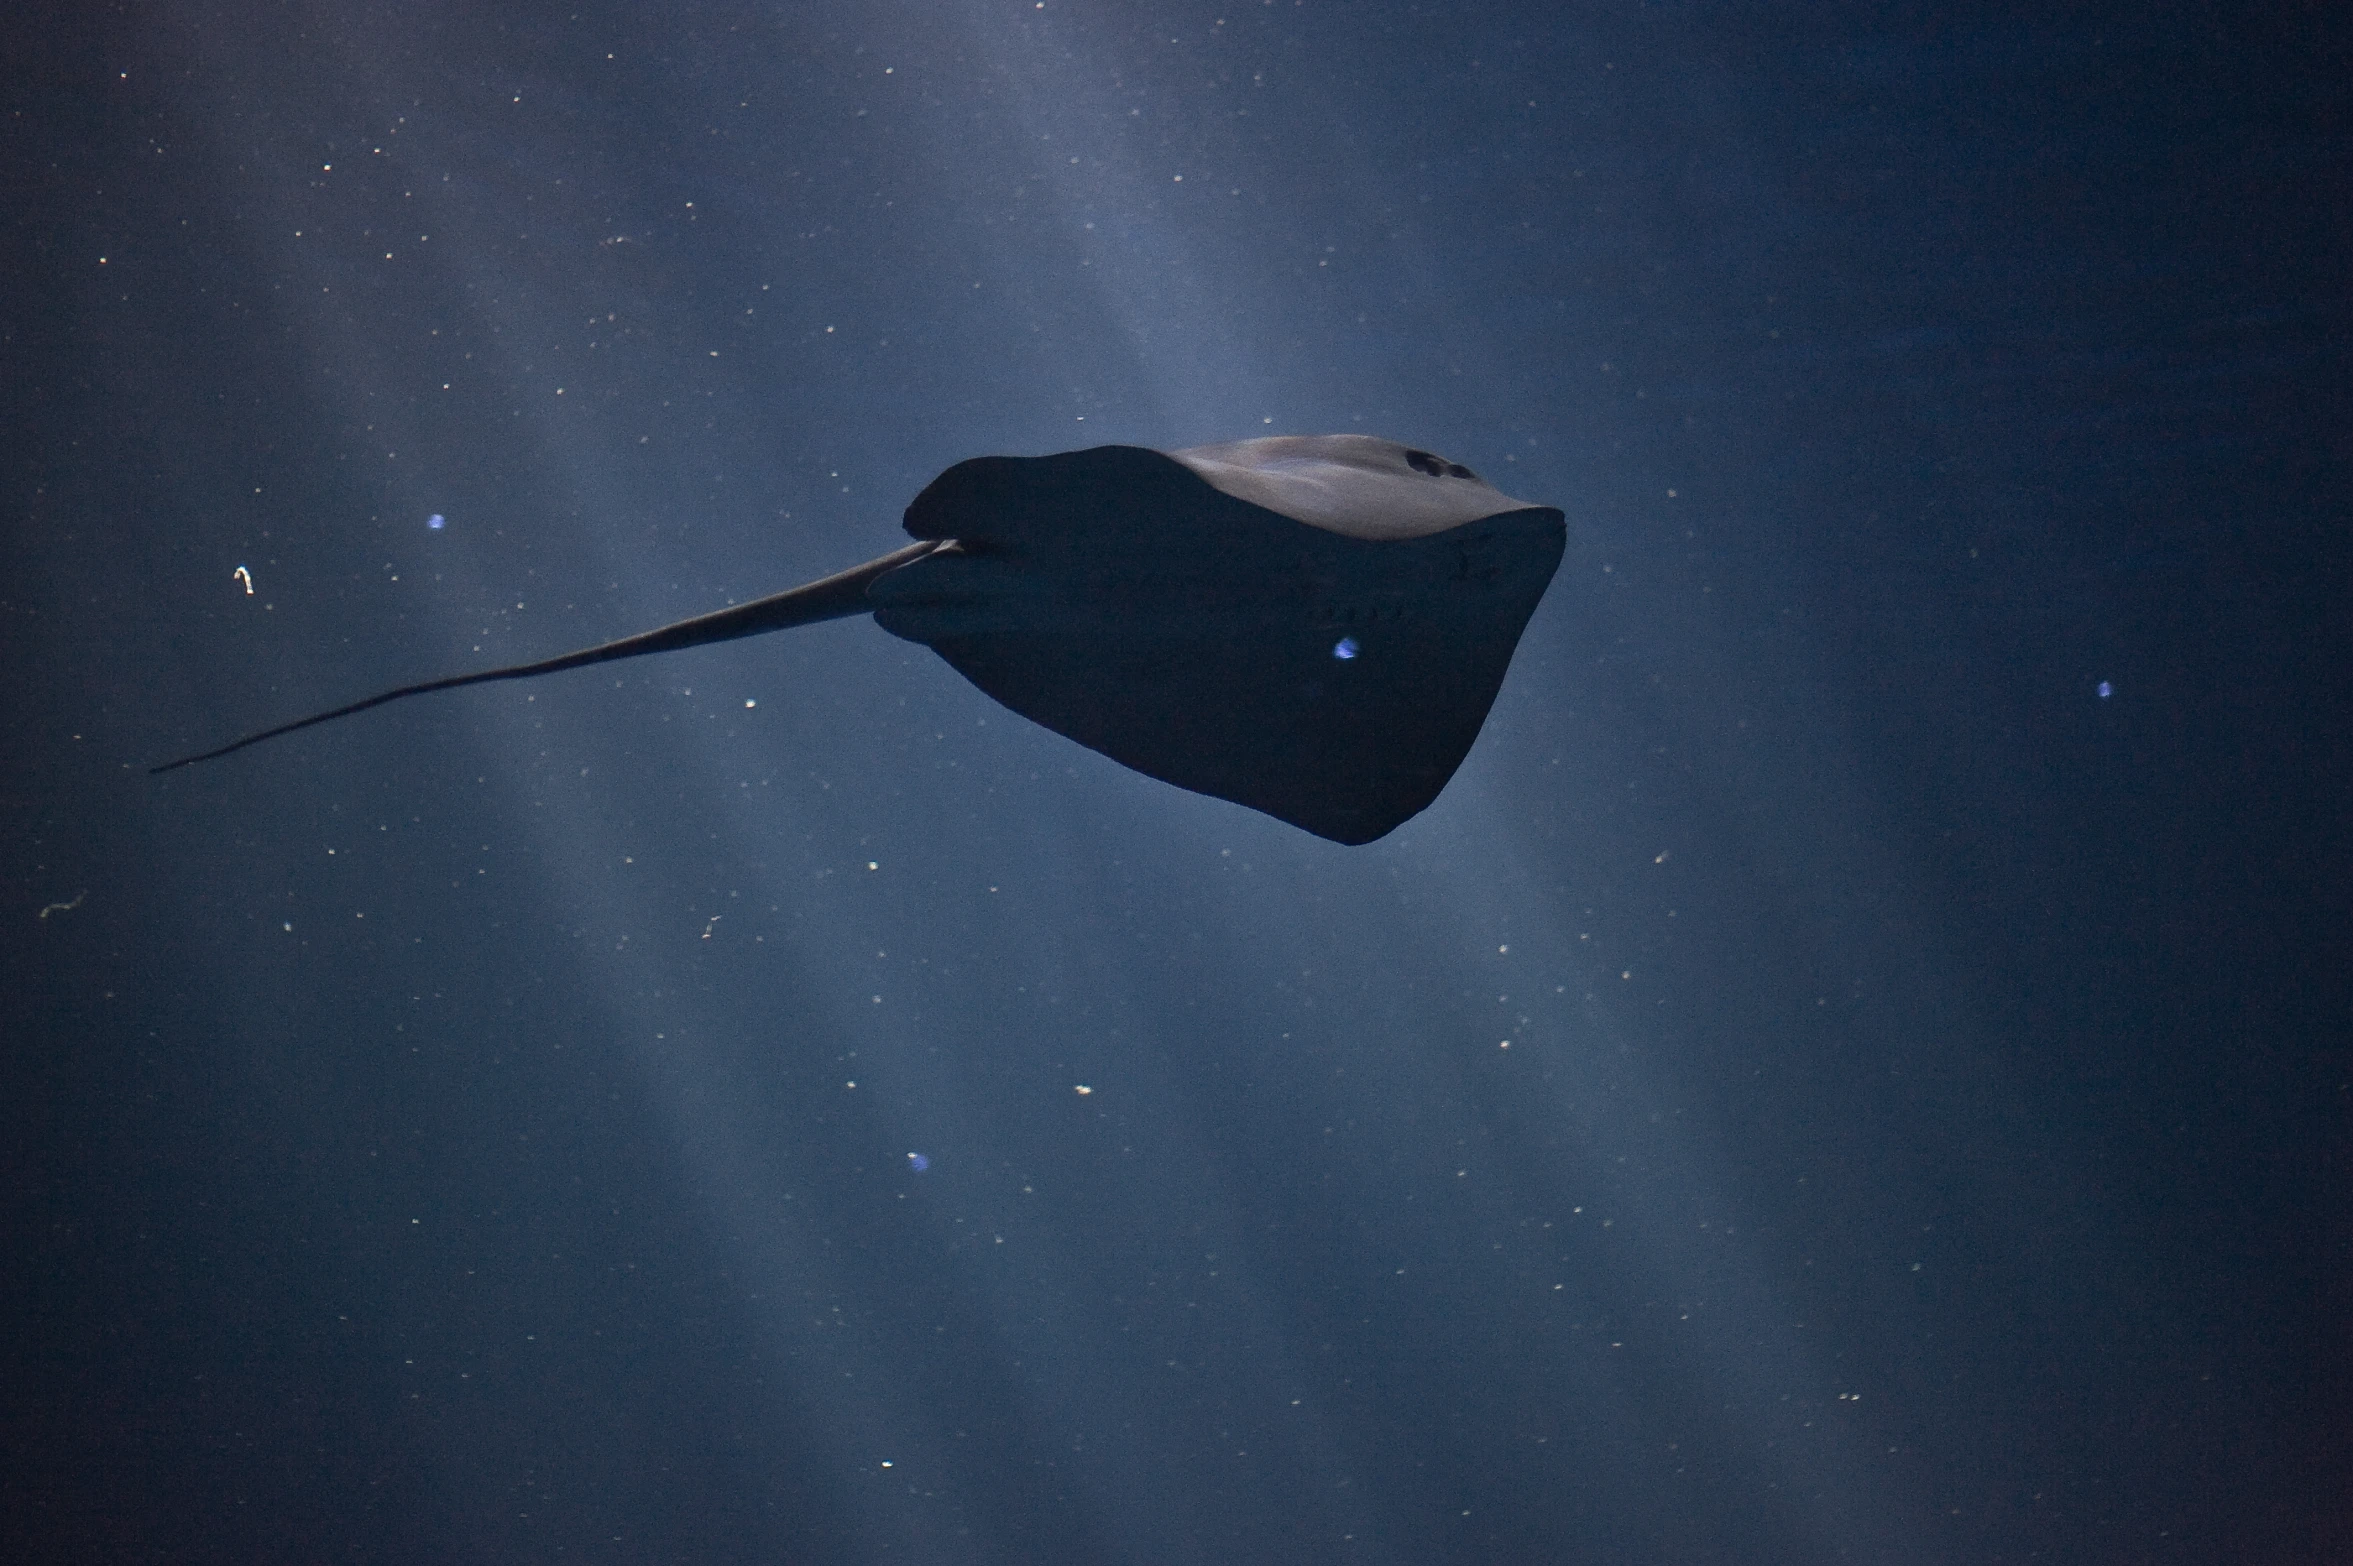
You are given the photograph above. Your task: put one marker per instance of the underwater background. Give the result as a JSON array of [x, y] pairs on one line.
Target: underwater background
[[1854, 1068]]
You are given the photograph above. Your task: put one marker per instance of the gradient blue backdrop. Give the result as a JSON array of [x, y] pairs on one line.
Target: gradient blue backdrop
[[1824, 1083]]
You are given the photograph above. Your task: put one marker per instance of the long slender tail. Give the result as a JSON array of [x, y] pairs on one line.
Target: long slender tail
[[830, 598]]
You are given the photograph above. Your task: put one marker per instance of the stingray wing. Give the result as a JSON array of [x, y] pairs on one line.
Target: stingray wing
[[1117, 598]]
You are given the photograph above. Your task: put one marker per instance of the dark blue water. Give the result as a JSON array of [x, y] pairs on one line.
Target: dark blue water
[[1853, 1068]]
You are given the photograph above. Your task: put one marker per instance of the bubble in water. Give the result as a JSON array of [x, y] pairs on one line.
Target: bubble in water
[[1344, 649], [436, 521], [917, 1162], [2106, 690]]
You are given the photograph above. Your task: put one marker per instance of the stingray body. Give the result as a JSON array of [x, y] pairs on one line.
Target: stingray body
[[1311, 626]]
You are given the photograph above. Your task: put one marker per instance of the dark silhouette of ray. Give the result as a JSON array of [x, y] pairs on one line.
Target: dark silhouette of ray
[[1312, 626]]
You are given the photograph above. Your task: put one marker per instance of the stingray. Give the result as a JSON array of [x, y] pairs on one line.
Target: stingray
[[1311, 626]]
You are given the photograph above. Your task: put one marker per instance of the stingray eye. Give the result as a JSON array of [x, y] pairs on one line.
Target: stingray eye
[[1457, 470], [1423, 462]]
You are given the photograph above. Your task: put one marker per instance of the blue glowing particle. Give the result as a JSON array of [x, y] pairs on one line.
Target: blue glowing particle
[[2106, 690], [917, 1162], [437, 521], [1344, 649]]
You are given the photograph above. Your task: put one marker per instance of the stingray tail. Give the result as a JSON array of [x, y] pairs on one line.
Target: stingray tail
[[830, 598]]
